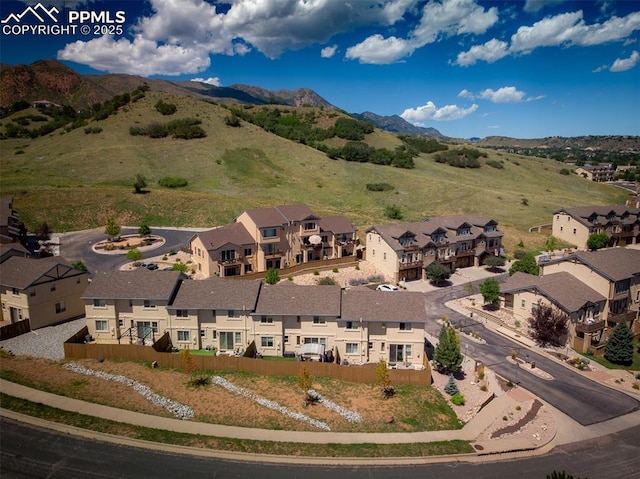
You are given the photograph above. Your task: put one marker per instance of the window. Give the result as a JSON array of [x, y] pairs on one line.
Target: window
[[226, 340], [269, 248], [523, 303], [182, 313], [373, 253], [266, 320], [121, 323], [310, 225], [322, 341], [99, 303], [622, 286], [149, 304], [318, 320], [248, 268], [384, 256], [351, 325], [233, 314], [228, 255], [407, 350], [352, 348], [237, 337], [381, 346], [574, 231], [405, 326], [203, 333], [215, 334], [269, 233], [32, 292], [561, 228], [61, 307], [266, 341], [247, 252], [15, 291], [102, 325], [53, 286], [286, 339], [370, 345], [183, 336]]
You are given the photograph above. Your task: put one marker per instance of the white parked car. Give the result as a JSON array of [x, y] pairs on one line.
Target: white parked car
[[387, 287]]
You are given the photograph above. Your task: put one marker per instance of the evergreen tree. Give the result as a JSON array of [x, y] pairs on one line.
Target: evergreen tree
[[272, 276], [451, 387], [447, 356], [619, 347], [112, 229]]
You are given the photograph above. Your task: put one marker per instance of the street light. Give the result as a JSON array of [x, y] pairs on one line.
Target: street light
[[517, 368]]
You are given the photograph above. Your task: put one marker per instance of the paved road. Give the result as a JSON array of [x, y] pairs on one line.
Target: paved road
[[584, 400], [77, 246], [27, 452]]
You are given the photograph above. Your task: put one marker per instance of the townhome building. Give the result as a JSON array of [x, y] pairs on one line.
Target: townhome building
[[523, 293], [598, 173], [214, 314], [44, 291], [11, 229], [130, 307], [358, 326], [615, 274], [277, 237], [404, 251], [620, 223]]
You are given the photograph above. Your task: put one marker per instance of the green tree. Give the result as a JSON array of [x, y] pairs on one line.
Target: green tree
[[272, 276], [451, 387], [619, 347], [393, 212], [382, 376], [134, 254], [79, 265], [597, 241], [551, 243], [494, 262], [561, 475], [490, 290], [144, 230], [436, 273], [447, 356], [549, 324], [112, 229], [139, 183], [527, 264]]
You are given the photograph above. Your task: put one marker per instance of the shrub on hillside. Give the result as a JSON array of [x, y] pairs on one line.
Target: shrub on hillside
[[379, 187], [165, 108], [173, 182], [495, 164]]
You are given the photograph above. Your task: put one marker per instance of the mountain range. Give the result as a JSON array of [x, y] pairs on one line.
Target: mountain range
[[53, 81]]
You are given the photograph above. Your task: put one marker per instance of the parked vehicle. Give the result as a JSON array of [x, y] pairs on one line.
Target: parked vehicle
[[387, 287], [150, 266]]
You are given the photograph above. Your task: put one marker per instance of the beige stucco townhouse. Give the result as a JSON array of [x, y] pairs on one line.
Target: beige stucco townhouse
[[614, 273], [45, 291], [522, 293], [276, 237], [214, 314], [403, 251], [130, 306], [620, 223]]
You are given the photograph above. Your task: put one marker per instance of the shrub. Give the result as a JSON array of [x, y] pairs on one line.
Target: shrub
[[484, 388], [379, 187], [519, 254], [495, 164], [173, 182], [451, 388], [457, 399], [335, 270], [165, 108], [327, 281], [565, 171], [272, 276], [232, 120], [524, 202], [393, 212]]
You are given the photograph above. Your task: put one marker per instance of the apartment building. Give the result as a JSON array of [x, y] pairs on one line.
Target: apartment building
[[403, 251], [45, 291], [620, 223], [277, 237], [598, 173]]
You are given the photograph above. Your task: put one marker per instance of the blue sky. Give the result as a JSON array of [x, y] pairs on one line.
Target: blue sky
[[469, 68]]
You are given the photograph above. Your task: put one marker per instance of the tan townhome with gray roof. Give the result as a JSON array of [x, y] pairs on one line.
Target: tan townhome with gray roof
[[130, 306], [277, 237], [403, 251], [44, 291], [614, 273]]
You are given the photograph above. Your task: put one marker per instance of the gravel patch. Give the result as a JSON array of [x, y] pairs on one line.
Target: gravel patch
[[44, 342]]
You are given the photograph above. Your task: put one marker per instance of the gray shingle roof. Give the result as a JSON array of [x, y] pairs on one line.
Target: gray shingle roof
[[279, 215], [563, 289], [297, 300], [234, 233], [382, 306], [215, 293], [336, 225], [137, 284], [614, 263], [583, 213], [21, 272]]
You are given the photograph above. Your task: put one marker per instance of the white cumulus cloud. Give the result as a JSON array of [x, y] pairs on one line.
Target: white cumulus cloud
[[624, 64], [507, 94], [565, 29], [215, 81], [378, 50], [429, 111], [329, 52]]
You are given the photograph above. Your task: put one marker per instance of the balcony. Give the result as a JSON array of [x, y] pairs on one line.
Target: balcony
[[409, 265], [590, 327], [236, 260], [615, 318], [272, 253]]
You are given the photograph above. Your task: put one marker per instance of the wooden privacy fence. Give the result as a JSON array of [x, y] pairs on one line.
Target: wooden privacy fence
[[15, 329], [355, 374], [320, 265]]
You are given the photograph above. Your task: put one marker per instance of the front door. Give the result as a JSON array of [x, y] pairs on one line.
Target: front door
[[16, 314]]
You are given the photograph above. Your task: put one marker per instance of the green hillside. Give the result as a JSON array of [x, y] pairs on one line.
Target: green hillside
[[74, 180]]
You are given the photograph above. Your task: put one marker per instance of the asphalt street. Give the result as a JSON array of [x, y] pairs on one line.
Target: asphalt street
[[27, 451], [584, 400]]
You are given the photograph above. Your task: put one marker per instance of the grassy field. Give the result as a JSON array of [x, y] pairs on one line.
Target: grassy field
[[76, 180]]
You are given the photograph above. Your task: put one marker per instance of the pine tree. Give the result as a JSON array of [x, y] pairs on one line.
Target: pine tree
[[619, 348], [451, 387], [447, 356]]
